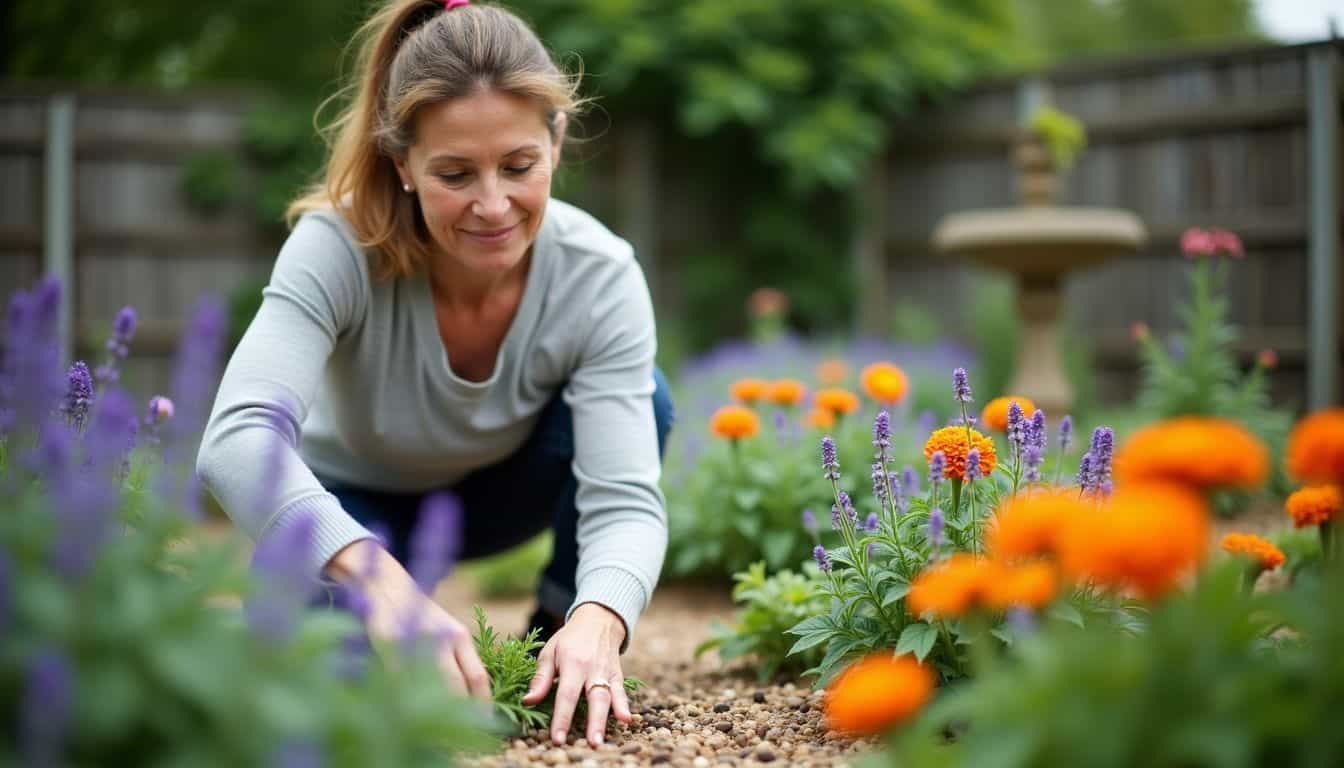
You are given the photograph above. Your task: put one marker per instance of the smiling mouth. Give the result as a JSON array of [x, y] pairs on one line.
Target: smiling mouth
[[491, 234]]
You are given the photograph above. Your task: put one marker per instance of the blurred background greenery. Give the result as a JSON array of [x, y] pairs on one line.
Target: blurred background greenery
[[773, 108]]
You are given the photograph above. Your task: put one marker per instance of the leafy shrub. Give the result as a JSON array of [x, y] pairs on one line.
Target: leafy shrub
[[773, 605], [513, 573], [1209, 682], [123, 640], [1196, 372], [731, 503]]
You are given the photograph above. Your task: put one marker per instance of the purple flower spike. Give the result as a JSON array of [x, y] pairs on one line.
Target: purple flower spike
[[1017, 422], [823, 560], [882, 431], [30, 369], [909, 481], [78, 395], [436, 541], [809, 521], [927, 421], [879, 477], [829, 461], [1033, 460], [837, 521], [871, 524], [936, 523], [118, 346], [1065, 433], [48, 695], [1085, 472], [1036, 430], [937, 468], [961, 387], [847, 505], [973, 465], [283, 584], [1102, 450]]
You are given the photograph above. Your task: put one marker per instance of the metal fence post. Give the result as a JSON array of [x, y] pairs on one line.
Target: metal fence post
[[58, 212], [1323, 228]]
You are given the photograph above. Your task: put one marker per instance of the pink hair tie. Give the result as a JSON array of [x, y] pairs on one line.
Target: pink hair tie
[[451, 4]]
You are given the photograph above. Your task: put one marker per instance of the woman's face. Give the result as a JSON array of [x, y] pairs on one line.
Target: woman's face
[[481, 166]]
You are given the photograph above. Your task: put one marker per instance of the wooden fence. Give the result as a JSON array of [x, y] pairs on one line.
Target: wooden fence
[[1219, 138]]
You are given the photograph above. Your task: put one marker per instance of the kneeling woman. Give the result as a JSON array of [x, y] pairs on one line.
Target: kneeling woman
[[435, 321]]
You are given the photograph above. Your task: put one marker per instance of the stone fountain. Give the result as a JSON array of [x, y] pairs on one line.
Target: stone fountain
[[1040, 242]]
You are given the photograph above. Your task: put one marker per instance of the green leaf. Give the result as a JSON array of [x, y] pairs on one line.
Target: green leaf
[[808, 626], [917, 638], [747, 525], [1066, 612], [778, 546], [746, 499], [894, 593], [811, 641]]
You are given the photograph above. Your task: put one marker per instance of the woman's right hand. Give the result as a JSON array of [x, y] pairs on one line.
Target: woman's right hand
[[395, 604]]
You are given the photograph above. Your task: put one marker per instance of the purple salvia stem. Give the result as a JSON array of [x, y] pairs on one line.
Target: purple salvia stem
[[961, 387], [283, 585], [1065, 433], [78, 395], [936, 523], [830, 463], [1102, 450], [118, 346], [1017, 434], [810, 521], [30, 380], [1085, 473], [846, 504], [937, 468], [879, 477], [909, 481], [871, 524], [836, 520], [972, 465], [882, 432], [823, 560], [436, 540], [48, 695], [1036, 434], [1033, 460]]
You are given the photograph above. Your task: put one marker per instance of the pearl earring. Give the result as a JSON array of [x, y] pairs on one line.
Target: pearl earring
[[406, 187]]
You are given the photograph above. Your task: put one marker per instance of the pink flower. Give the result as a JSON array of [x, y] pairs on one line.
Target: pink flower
[[1196, 242], [1226, 242]]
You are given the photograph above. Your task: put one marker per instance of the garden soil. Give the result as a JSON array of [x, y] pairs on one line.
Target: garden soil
[[691, 712]]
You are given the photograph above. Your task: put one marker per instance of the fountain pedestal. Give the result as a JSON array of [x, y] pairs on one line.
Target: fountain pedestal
[[1040, 244]]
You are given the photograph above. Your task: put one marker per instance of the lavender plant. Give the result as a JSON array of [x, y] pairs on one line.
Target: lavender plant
[[122, 639], [868, 577]]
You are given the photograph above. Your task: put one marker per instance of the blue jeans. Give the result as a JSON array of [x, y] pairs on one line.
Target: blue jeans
[[537, 487]]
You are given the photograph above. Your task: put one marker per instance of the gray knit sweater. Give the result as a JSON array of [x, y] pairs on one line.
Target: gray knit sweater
[[346, 376]]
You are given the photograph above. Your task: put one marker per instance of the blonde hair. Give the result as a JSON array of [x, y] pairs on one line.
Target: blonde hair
[[413, 53]]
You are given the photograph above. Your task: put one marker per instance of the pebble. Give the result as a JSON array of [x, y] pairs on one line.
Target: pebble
[[721, 707]]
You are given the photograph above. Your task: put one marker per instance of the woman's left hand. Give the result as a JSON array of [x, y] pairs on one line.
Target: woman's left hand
[[585, 656]]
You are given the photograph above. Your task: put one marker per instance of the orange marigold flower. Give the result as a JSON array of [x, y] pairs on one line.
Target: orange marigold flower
[[1316, 448], [735, 422], [786, 392], [1314, 505], [995, 414], [953, 587], [1032, 585], [952, 442], [837, 401], [884, 383], [1029, 525], [819, 418], [1193, 450], [750, 390], [1260, 550], [832, 371], [876, 693], [1146, 537]]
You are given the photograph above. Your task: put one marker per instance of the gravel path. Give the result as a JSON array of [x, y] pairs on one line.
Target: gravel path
[[692, 713]]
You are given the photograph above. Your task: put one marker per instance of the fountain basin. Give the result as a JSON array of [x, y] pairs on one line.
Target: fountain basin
[[1040, 241]]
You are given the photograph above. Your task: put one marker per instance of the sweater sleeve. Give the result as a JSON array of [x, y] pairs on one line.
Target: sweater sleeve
[[622, 528], [248, 458]]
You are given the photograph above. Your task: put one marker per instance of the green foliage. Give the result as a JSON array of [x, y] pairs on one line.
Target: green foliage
[[166, 670], [511, 664], [1064, 29], [1196, 372], [1061, 133], [211, 181], [773, 605], [513, 573], [1210, 681]]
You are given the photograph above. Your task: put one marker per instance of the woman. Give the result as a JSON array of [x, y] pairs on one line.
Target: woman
[[435, 321]]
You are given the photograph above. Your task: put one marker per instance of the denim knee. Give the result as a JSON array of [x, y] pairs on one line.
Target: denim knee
[[664, 412]]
